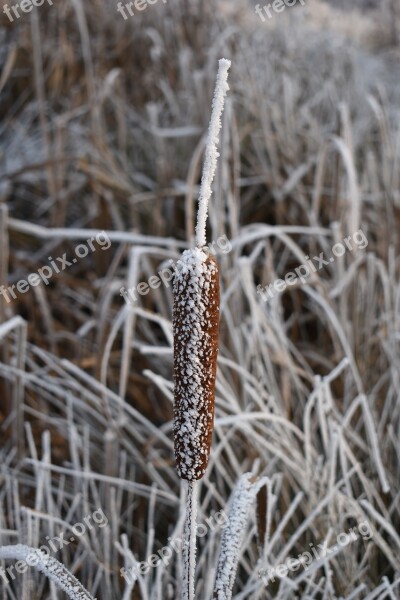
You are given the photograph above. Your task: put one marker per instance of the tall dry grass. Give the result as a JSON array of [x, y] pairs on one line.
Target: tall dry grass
[[103, 127]]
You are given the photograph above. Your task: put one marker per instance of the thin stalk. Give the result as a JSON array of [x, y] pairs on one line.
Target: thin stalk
[[189, 544], [211, 153]]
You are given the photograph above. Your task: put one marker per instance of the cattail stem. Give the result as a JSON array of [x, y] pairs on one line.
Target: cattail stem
[[189, 547], [211, 153], [195, 327]]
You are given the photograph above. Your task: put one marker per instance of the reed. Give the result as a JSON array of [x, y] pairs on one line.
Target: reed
[[195, 326]]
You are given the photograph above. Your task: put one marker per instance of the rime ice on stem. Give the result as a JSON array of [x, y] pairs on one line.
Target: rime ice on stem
[[189, 546], [195, 326], [211, 153]]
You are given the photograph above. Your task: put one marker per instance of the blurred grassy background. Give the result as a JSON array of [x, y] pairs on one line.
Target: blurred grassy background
[[103, 123]]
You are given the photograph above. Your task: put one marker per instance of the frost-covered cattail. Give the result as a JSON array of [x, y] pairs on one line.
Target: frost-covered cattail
[[195, 323], [195, 327]]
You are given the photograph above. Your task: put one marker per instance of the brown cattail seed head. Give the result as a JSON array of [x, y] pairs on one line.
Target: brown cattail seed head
[[195, 324]]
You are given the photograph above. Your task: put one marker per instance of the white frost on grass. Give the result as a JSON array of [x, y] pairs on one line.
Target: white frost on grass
[[50, 567], [243, 498], [211, 153]]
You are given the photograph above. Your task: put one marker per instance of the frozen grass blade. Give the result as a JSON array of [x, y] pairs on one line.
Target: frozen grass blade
[[50, 567], [234, 532]]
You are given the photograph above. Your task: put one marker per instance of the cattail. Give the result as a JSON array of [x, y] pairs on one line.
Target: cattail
[[195, 323], [195, 326], [196, 320]]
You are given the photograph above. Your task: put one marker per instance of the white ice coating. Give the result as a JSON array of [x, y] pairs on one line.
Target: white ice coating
[[50, 567], [189, 547], [192, 292], [243, 497], [211, 153]]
